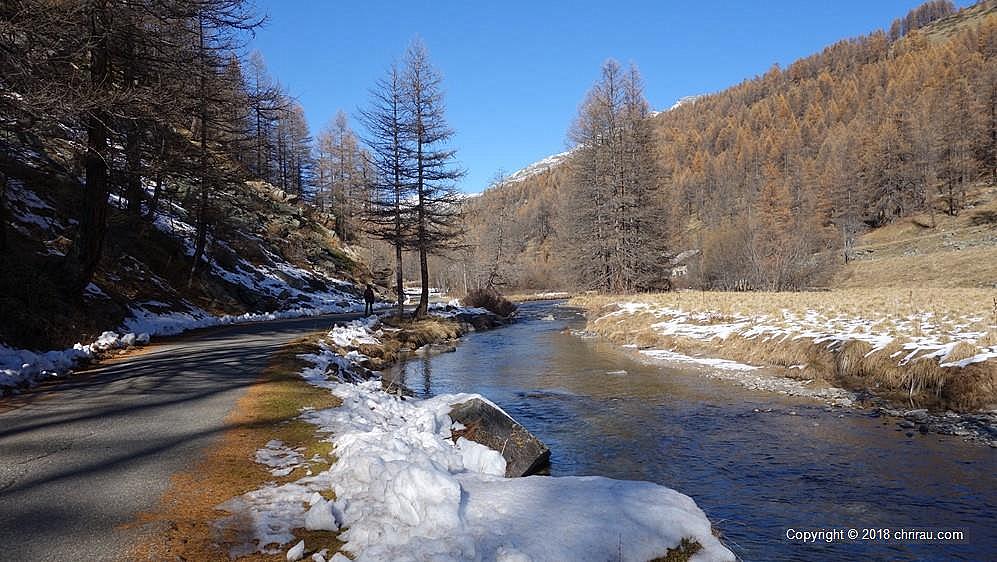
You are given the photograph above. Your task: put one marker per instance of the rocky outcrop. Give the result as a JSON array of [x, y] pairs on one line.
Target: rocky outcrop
[[484, 423]]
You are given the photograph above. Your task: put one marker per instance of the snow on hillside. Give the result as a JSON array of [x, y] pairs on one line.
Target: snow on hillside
[[538, 167], [299, 291], [685, 100]]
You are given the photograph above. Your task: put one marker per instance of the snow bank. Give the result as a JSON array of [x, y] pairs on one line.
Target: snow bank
[[671, 356], [143, 320], [406, 490], [21, 367], [454, 308]]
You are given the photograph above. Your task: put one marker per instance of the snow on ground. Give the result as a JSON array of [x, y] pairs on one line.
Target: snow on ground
[[22, 367], [743, 375], [278, 278], [673, 357], [405, 490], [28, 210], [921, 337], [281, 459], [302, 293], [453, 309]]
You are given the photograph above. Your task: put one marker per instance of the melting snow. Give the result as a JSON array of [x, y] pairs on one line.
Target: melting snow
[[833, 332], [723, 364], [405, 490]]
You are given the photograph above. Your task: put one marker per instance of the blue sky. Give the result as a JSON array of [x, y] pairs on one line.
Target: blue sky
[[515, 71]]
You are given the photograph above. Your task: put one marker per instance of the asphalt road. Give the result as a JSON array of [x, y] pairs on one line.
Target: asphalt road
[[81, 458]]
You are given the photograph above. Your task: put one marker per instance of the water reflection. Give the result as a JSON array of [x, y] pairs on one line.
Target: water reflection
[[755, 473]]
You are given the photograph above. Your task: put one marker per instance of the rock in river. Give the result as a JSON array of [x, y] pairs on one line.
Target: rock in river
[[524, 454]]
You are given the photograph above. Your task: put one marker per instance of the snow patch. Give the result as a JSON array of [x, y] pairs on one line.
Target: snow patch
[[406, 490]]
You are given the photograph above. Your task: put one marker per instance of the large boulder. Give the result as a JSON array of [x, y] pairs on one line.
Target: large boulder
[[484, 423]]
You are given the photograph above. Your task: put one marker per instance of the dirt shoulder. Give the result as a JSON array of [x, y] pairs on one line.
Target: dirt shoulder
[[184, 526]]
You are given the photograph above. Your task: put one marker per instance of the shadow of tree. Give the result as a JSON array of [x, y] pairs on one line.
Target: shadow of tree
[[984, 218]]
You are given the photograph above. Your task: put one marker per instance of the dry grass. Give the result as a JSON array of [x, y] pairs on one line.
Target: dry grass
[[971, 267], [183, 526], [942, 316], [684, 551], [925, 251], [970, 309]]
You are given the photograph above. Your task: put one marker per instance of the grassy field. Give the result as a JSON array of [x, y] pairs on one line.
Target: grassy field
[[929, 347], [924, 251]]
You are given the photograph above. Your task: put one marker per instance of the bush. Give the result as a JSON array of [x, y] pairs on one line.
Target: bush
[[491, 301]]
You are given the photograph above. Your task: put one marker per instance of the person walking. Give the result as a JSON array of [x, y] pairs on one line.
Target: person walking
[[368, 297]]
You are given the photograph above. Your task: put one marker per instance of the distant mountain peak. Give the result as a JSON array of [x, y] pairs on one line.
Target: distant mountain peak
[[685, 100], [538, 167]]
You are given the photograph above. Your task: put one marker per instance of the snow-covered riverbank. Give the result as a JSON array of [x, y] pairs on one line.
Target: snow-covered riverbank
[[813, 356], [406, 490], [942, 360]]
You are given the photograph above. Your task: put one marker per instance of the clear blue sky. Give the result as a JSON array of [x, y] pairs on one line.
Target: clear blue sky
[[515, 71]]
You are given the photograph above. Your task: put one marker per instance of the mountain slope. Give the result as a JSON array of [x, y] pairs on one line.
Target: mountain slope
[[865, 134], [266, 253]]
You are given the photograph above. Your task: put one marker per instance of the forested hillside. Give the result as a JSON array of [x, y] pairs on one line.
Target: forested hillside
[[150, 174], [765, 185]]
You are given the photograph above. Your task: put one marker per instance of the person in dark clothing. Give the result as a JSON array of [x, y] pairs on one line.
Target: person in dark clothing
[[368, 297]]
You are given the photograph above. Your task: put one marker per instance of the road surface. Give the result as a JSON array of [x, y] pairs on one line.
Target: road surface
[[80, 459]]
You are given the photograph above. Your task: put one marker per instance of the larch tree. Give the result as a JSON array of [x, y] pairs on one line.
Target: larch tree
[[608, 213], [389, 215], [341, 176], [433, 174], [216, 26]]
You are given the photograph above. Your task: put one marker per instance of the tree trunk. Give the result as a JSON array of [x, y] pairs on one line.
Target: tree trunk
[[89, 244], [399, 287], [154, 202], [3, 212], [85, 254], [133, 156], [423, 309], [202, 211]]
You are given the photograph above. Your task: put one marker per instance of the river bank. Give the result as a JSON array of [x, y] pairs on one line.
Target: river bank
[[757, 463], [380, 475], [935, 368]]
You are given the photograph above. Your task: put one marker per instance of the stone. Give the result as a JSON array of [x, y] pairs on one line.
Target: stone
[[524, 454]]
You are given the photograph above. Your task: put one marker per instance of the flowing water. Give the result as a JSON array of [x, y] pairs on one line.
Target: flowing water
[[757, 463]]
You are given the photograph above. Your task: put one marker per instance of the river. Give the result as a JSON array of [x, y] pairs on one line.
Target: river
[[757, 463]]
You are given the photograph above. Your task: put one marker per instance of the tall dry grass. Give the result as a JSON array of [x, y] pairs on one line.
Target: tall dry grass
[[964, 316]]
